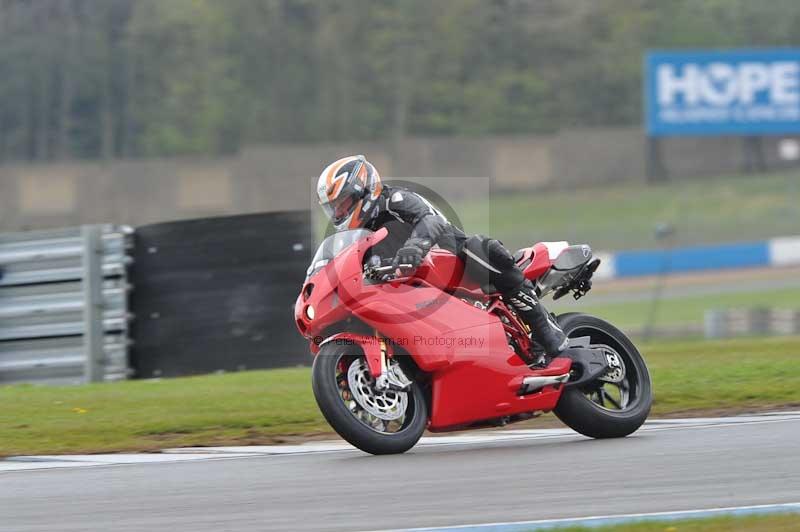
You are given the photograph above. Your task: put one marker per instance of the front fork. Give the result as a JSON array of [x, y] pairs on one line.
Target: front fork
[[387, 372]]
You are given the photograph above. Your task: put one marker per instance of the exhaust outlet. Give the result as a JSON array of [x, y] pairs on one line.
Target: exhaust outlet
[[534, 383]]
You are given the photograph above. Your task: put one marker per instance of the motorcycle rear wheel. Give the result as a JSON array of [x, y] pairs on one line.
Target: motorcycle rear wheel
[[593, 410], [342, 387]]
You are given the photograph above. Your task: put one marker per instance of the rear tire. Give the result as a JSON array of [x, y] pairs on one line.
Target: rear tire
[[584, 415], [328, 393]]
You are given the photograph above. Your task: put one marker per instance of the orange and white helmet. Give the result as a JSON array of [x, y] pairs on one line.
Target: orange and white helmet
[[347, 191]]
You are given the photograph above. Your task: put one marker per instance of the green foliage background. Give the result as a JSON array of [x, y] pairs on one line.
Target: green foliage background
[[143, 78]]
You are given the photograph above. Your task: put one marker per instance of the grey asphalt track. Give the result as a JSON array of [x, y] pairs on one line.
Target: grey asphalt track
[[677, 468]]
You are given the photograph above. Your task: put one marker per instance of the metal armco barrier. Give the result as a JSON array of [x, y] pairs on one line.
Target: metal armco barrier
[[63, 305], [753, 321], [217, 294]]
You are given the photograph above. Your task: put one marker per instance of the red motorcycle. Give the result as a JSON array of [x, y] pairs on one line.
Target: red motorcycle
[[398, 353]]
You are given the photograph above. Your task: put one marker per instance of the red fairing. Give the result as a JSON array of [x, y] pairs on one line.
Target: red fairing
[[474, 372], [321, 291], [540, 262], [445, 271], [468, 392]]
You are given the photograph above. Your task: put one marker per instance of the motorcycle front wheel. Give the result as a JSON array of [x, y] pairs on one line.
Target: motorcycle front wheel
[[616, 404], [377, 422]]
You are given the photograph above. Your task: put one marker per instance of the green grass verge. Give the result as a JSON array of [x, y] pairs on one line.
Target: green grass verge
[[724, 375], [678, 311], [754, 523], [142, 415], [260, 406], [623, 216]]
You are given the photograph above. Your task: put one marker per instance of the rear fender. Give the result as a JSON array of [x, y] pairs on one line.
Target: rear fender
[[375, 349]]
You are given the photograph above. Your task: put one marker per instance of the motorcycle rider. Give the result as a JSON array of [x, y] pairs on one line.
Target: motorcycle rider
[[352, 196]]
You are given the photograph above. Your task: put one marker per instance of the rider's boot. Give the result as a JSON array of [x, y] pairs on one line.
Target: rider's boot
[[548, 338]]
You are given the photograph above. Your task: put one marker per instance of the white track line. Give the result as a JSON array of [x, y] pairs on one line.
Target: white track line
[[656, 425], [608, 520], [21, 463], [30, 463]]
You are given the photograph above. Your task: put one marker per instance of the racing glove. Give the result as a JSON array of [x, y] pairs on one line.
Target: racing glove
[[412, 252]]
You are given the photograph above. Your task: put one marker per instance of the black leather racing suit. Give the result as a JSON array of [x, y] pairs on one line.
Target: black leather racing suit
[[412, 221]]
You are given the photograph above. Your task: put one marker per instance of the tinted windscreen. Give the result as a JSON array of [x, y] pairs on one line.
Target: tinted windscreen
[[332, 246]]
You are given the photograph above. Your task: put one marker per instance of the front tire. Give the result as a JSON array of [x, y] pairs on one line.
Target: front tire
[[594, 411], [341, 388]]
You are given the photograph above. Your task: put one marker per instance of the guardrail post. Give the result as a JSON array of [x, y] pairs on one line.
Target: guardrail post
[[760, 321], [92, 286], [716, 324]]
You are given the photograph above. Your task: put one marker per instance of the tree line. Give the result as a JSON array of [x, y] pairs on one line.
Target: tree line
[[102, 79]]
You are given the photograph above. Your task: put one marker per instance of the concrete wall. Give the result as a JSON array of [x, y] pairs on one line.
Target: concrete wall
[[280, 177], [689, 157]]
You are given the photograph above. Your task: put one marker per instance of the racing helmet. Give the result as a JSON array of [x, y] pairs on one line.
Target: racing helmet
[[347, 190]]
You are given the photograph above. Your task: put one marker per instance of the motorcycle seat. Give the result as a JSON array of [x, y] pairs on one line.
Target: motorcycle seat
[[573, 257]]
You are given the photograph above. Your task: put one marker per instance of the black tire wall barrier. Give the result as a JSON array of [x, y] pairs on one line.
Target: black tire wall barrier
[[218, 294]]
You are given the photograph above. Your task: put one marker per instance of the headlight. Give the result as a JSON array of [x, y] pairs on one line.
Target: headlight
[[310, 312]]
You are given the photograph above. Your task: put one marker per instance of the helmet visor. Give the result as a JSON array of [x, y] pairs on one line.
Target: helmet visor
[[339, 209]]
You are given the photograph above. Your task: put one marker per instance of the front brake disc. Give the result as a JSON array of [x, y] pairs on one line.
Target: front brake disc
[[387, 405]]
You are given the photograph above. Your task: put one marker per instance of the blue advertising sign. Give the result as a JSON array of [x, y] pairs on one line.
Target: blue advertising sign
[[731, 92]]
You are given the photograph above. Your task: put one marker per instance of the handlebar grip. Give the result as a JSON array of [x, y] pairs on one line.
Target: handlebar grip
[[382, 269]]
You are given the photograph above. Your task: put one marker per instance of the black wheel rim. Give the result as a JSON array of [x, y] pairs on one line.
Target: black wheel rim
[[623, 395], [369, 407]]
